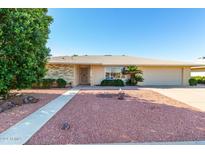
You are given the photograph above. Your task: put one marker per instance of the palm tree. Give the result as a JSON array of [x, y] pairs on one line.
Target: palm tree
[[135, 74]]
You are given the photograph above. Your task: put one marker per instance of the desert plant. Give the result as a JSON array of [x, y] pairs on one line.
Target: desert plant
[[135, 75], [114, 82], [192, 82], [61, 83], [138, 78]]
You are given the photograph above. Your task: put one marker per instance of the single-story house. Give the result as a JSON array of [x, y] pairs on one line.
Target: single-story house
[[91, 70]]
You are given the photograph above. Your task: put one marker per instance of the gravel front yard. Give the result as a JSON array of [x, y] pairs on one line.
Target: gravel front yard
[[97, 116], [14, 115]]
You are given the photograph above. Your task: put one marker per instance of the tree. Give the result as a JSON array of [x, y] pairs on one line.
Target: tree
[[23, 51], [135, 75]]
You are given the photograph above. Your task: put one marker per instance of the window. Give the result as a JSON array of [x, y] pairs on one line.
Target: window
[[114, 73]]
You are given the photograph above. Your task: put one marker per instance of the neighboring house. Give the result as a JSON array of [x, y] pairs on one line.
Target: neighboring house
[[91, 70], [199, 70]]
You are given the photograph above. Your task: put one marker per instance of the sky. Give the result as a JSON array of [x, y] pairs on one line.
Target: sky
[[174, 34]]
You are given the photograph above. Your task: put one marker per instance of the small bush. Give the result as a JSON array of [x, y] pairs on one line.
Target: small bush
[[200, 79], [139, 78], [37, 84], [129, 83], [192, 82], [134, 81], [61, 83], [47, 83], [115, 82], [44, 83]]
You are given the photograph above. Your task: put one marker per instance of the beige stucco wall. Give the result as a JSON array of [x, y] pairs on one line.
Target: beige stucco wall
[[162, 75], [186, 75], [76, 75], [56, 71], [97, 74]]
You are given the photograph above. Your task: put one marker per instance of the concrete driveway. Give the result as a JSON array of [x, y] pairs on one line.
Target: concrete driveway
[[192, 96]]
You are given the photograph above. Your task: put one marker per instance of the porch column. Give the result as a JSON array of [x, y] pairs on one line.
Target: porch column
[[186, 74], [76, 75], [91, 75]]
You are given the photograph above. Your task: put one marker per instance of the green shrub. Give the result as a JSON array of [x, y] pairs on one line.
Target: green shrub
[[23, 50], [115, 82], [61, 83], [129, 83], [200, 79], [203, 80], [47, 83], [138, 78], [37, 84], [192, 82], [134, 81]]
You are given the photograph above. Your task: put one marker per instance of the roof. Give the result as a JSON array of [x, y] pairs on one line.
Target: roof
[[198, 68], [116, 60]]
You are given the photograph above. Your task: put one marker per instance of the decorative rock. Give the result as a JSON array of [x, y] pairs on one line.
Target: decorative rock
[[6, 106], [65, 126], [154, 107], [121, 96], [18, 102], [30, 99]]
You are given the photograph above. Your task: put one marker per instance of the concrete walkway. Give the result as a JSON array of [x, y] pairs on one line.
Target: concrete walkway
[[164, 143], [21, 132], [192, 96], [174, 143], [106, 87]]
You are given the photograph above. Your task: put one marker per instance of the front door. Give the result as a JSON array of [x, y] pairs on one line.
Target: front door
[[84, 75]]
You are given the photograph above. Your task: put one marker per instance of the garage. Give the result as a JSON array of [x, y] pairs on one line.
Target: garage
[[162, 76]]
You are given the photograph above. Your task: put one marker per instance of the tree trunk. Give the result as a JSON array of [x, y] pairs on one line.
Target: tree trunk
[[132, 78]]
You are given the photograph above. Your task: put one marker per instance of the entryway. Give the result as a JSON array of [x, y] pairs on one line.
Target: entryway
[[84, 78]]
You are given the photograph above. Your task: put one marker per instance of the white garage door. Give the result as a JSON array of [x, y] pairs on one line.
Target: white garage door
[[162, 76]]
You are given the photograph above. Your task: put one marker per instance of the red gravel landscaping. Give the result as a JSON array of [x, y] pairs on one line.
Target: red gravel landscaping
[[14, 115], [97, 116]]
